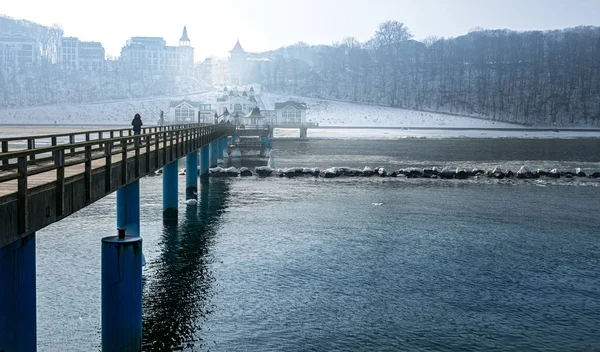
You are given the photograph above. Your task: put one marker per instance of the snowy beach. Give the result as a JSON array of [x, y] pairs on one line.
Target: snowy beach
[[326, 113]]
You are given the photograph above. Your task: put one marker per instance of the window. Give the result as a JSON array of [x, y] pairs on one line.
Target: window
[[291, 116], [237, 108], [184, 113]]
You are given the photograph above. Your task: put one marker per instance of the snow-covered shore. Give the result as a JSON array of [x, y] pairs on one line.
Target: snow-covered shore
[[320, 111], [336, 113], [437, 134]]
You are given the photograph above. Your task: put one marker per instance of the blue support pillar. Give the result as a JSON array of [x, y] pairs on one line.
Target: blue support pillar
[[219, 144], [128, 208], [204, 164], [224, 148], [170, 190], [17, 296], [121, 293], [214, 148], [191, 176], [221, 147]]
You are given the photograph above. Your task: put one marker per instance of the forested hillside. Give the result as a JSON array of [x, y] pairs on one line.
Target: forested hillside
[[48, 38], [538, 77], [541, 78], [48, 84]]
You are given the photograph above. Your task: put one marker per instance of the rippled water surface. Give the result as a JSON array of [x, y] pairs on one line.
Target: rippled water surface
[[349, 264]]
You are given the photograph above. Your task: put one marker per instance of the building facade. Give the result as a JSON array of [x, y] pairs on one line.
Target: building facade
[[154, 55], [241, 66], [80, 55], [91, 56], [204, 71], [188, 111], [18, 51], [289, 113], [235, 101], [237, 65], [220, 71]]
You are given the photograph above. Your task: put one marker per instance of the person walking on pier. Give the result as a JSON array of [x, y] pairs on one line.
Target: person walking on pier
[[137, 124]]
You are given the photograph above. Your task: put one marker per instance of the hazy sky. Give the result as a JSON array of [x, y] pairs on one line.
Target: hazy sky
[[214, 25]]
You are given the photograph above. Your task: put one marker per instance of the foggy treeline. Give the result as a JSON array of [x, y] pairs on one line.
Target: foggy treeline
[[537, 78], [544, 78], [48, 84], [48, 38]]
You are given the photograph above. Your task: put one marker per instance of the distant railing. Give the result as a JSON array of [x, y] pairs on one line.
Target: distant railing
[[253, 127], [250, 144], [282, 125]]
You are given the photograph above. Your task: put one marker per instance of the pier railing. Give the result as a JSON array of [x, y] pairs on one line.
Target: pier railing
[[120, 160], [9, 144]]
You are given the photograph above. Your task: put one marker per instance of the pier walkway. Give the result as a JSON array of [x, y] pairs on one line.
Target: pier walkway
[[39, 186], [45, 178]]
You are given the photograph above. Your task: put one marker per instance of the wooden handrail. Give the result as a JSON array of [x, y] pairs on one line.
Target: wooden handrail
[[171, 143], [28, 152], [173, 137], [87, 135], [57, 135]]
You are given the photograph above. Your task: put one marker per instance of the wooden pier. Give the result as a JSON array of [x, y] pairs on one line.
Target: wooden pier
[[39, 186]]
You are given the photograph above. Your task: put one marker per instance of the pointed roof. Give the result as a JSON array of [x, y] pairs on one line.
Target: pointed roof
[[252, 89], [225, 89], [295, 104], [184, 36], [237, 47], [174, 104], [254, 113]]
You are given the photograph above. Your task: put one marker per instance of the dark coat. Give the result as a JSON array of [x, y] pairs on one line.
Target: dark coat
[[137, 124]]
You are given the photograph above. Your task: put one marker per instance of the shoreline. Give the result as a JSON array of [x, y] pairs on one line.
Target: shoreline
[[345, 132]]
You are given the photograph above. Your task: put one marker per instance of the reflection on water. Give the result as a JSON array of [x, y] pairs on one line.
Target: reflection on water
[[276, 264], [177, 290]]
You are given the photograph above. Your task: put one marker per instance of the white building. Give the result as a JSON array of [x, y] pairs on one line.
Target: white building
[[237, 65], [289, 113], [154, 55], [18, 51], [235, 102], [80, 55], [69, 53], [188, 111], [220, 71], [241, 66], [91, 56]]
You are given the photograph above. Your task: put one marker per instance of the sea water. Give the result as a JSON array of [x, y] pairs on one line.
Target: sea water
[[351, 264]]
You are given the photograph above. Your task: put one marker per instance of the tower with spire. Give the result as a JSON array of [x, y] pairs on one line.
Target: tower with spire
[[185, 40], [185, 53], [237, 64]]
